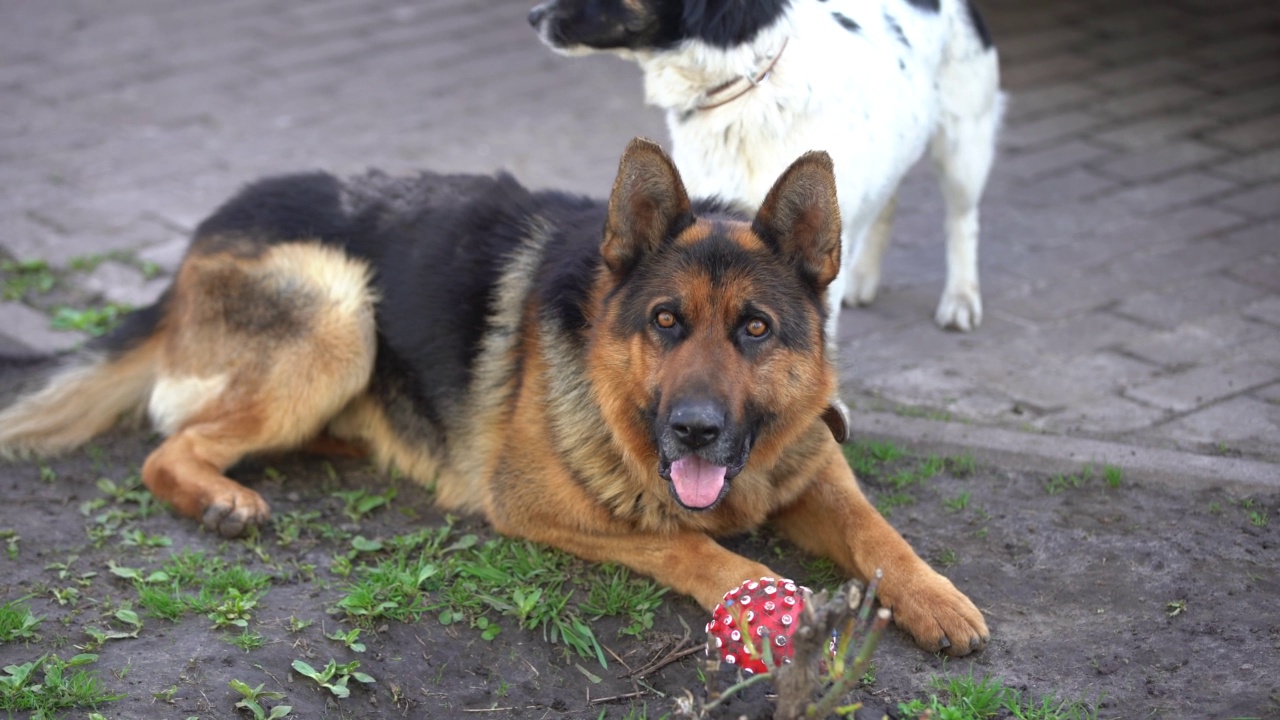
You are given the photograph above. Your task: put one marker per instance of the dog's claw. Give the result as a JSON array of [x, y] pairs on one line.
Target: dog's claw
[[231, 520], [959, 311]]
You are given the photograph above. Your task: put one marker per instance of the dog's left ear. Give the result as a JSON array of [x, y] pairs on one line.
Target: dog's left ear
[[648, 204], [801, 217]]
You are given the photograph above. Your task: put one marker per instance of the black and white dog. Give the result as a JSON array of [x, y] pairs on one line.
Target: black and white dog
[[750, 85]]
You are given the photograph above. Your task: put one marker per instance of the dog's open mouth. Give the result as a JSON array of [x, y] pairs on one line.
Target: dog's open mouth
[[698, 484]]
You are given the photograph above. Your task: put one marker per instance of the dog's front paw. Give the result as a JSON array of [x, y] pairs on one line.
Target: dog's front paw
[[938, 616], [235, 511], [960, 310]]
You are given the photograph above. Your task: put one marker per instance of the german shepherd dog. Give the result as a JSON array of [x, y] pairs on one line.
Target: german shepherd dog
[[623, 381]]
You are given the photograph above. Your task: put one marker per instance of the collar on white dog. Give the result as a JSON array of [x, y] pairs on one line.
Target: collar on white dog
[[751, 82]]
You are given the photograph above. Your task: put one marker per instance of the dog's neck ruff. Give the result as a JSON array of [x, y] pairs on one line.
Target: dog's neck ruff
[[712, 99]]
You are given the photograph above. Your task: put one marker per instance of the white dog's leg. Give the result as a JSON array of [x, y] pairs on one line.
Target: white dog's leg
[[963, 149], [865, 257]]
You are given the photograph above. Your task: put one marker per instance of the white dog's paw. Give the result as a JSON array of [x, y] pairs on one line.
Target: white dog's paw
[[961, 310], [862, 288]]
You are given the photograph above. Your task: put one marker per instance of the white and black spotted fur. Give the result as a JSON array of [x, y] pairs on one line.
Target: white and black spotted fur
[[875, 83]]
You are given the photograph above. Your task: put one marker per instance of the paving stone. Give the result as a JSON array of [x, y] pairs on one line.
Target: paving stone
[[1153, 131], [1069, 154], [1061, 296], [1267, 310], [1212, 340], [1163, 265], [1131, 105], [1058, 383], [1247, 135], [1198, 386], [1242, 423], [123, 284], [1254, 167], [1132, 75], [1159, 160], [1042, 99], [1051, 69], [1235, 76], [1189, 301], [1049, 128], [30, 328], [1177, 191], [1259, 202], [1104, 416], [1262, 272]]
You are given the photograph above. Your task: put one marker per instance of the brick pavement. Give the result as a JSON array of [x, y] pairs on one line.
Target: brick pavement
[[1131, 239]]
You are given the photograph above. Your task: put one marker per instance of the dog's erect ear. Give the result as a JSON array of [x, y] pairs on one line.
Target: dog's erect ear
[[648, 203], [801, 217]]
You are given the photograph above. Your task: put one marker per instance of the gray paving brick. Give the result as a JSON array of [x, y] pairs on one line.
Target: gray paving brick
[[1160, 266], [1212, 340], [1254, 167], [1069, 154], [1256, 72], [1059, 296], [1260, 202], [1261, 272], [1159, 160], [1259, 132], [1104, 416], [1170, 96], [1042, 99], [1129, 76], [1239, 106], [1267, 310], [30, 328], [1190, 389], [1153, 131], [1260, 237], [1049, 128], [1051, 69], [1058, 383], [1064, 187], [1242, 423], [1189, 301], [1176, 191]]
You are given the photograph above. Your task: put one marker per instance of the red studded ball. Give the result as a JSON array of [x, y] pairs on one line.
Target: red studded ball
[[753, 606]]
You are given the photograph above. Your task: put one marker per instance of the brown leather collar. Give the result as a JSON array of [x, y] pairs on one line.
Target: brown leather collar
[[751, 82]]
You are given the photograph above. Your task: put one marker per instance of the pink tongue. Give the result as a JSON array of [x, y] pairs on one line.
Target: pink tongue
[[698, 482]]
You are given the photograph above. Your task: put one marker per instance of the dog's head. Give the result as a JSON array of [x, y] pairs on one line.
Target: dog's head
[[574, 27], [708, 350]]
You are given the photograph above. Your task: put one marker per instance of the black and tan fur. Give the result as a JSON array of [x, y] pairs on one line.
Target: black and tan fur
[[468, 331]]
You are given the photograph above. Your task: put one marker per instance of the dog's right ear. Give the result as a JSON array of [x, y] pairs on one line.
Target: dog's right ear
[[648, 204], [801, 217]]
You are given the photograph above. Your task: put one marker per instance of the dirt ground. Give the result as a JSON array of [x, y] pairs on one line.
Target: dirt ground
[[1142, 601]]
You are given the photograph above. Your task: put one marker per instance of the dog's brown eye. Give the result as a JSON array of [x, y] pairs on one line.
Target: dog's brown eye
[[665, 319], [757, 328]]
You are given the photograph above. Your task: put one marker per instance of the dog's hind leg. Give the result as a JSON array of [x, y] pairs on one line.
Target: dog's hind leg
[[963, 149], [264, 350], [867, 256]]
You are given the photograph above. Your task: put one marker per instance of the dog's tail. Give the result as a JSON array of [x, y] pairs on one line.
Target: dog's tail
[[52, 404]]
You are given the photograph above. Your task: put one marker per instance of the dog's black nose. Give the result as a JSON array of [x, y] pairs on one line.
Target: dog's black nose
[[697, 423], [536, 15]]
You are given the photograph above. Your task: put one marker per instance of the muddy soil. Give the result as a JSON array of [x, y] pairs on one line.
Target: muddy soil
[[1143, 601]]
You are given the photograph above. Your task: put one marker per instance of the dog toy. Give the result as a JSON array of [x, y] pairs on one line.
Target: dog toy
[[750, 612]]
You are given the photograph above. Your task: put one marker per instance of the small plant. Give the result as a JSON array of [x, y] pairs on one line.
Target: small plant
[[252, 701], [957, 503], [234, 609], [967, 698], [247, 640], [1174, 608], [17, 622], [962, 465], [334, 677], [94, 321], [1259, 518], [124, 615], [1113, 475], [296, 626], [60, 689], [11, 539], [358, 503], [350, 639], [25, 276], [947, 557]]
